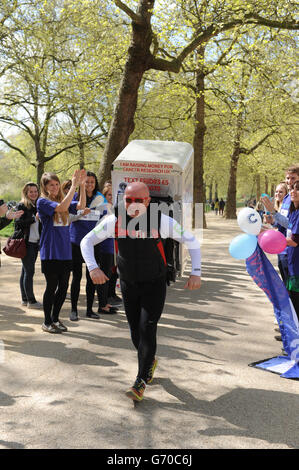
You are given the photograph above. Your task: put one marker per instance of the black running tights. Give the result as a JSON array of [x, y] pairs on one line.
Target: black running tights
[[144, 302], [55, 293]]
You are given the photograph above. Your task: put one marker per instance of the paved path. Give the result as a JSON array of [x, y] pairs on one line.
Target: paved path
[[67, 391]]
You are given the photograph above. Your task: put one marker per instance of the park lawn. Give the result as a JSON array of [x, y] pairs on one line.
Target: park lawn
[[7, 231]]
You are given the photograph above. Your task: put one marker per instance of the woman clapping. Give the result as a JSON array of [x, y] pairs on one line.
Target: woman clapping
[[55, 245]]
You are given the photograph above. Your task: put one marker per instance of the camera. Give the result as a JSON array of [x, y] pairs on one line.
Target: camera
[[12, 205]]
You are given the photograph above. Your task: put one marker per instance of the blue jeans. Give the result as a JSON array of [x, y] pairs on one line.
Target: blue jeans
[[28, 269]]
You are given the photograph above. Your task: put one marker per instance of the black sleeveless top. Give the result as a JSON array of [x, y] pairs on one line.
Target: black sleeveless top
[[140, 253]]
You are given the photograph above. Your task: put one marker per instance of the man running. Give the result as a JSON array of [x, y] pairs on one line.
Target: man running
[[142, 270]]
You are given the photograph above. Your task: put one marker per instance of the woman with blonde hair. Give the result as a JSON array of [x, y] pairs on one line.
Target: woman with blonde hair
[[28, 227], [55, 245], [95, 203], [280, 192]]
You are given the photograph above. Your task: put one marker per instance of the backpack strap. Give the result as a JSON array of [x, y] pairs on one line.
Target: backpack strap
[[156, 235], [115, 234], [159, 240]]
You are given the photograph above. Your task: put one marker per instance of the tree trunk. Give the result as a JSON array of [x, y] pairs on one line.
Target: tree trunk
[[39, 156], [211, 191], [258, 187], [266, 184], [199, 133], [81, 155], [231, 200], [40, 169], [139, 57], [272, 189], [216, 190]]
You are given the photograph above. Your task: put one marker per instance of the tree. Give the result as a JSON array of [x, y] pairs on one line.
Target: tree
[[145, 52], [56, 86]]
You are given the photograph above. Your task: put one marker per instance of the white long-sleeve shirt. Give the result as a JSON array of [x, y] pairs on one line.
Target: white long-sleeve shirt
[[169, 228]]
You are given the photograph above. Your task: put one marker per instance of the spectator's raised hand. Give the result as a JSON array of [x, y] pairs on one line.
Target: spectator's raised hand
[[76, 178], [267, 203], [83, 177], [13, 215]]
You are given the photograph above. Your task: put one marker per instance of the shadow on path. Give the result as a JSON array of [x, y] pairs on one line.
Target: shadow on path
[[60, 352], [253, 413]]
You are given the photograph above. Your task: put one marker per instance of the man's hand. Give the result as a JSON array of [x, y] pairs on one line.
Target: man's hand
[[98, 276], [76, 178], [194, 282]]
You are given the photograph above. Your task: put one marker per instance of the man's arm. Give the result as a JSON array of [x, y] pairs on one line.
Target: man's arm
[[104, 230], [170, 228]]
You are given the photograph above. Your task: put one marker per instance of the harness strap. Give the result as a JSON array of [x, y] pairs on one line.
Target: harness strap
[[155, 234], [161, 249]]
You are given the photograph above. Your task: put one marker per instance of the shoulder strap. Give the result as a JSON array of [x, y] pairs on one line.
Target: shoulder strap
[[115, 234], [159, 240]]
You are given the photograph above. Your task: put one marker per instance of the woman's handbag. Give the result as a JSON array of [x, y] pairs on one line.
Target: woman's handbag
[[15, 247]]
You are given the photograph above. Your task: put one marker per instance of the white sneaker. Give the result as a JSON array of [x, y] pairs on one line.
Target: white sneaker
[[51, 329], [60, 326], [36, 305]]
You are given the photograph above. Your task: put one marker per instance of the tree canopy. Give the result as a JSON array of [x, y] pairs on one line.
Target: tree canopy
[[79, 78]]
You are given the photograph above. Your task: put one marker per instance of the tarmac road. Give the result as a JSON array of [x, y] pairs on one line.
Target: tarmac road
[[67, 391]]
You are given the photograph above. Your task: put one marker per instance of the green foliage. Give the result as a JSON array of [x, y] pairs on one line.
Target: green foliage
[[7, 231], [61, 63]]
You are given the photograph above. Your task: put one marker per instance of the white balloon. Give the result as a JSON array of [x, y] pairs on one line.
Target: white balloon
[[249, 221]]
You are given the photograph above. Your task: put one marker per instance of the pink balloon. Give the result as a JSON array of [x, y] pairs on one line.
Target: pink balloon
[[272, 241]]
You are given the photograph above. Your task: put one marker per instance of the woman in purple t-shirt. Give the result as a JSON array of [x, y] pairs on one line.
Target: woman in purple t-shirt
[[55, 246], [293, 247]]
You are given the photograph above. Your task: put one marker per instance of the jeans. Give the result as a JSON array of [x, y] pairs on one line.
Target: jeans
[[28, 269], [144, 302]]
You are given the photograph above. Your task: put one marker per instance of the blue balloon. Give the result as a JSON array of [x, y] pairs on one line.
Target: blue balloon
[[242, 246]]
